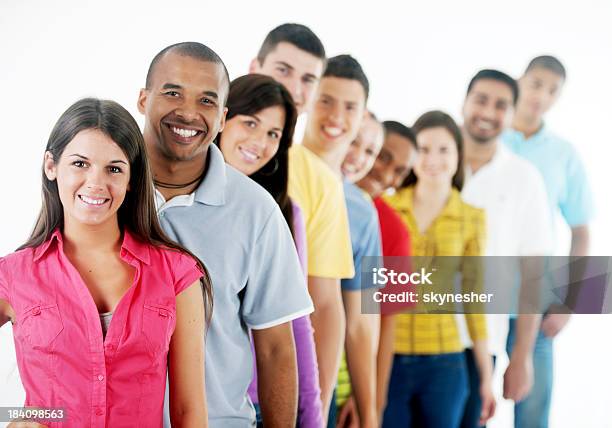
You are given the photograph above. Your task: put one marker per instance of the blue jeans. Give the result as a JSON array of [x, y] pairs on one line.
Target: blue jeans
[[333, 412], [533, 411], [258, 415], [427, 391]]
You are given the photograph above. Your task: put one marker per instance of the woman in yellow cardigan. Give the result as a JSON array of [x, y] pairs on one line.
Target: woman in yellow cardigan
[[429, 382]]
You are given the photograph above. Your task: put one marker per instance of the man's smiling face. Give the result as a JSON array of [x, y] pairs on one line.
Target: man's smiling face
[[184, 106], [298, 70]]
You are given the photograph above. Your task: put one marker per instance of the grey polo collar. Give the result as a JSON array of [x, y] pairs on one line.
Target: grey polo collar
[[211, 190]]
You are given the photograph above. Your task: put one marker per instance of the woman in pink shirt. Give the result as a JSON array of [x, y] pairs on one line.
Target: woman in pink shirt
[[98, 253]]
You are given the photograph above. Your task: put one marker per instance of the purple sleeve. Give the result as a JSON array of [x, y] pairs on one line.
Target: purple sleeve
[[310, 413], [252, 390]]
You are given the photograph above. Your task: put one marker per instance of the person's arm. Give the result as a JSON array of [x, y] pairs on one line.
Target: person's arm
[[518, 378], [328, 323], [360, 343], [577, 209], [186, 361], [477, 326], [276, 375], [580, 241], [484, 365], [558, 317], [384, 361], [472, 270], [309, 392], [535, 242], [6, 312]]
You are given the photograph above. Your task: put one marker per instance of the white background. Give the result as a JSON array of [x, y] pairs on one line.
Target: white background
[[418, 57]]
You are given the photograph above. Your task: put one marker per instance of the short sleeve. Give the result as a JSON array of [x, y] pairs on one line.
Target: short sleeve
[[394, 234], [276, 290], [319, 193], [366, 244], [186, 271], [577, 204], [4, 281]]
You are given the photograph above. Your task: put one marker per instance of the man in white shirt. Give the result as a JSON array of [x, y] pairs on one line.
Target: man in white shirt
[[513, 194]]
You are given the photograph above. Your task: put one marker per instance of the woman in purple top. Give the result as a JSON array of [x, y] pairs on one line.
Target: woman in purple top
[[256, 139]]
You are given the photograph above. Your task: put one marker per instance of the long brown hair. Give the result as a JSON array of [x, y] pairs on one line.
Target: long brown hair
[[248, 95], [138, 212]]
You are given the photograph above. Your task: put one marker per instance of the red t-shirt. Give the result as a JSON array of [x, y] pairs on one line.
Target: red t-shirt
[[393, 232], [396, 248]]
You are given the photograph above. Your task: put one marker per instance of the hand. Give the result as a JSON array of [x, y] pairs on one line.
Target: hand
[[518, 378], [552, 324], [488, 403], [348, 417]]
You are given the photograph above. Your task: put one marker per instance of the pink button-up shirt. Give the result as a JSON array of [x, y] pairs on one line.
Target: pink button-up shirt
[[63, 359]]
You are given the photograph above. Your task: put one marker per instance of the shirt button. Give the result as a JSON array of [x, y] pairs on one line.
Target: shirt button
[[110, 347], [161, 214], [36, 311], [99, 412], [100, 377]]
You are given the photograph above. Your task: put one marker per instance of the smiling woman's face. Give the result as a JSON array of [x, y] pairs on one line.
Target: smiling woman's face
[[438, 157], [92, 175], [249, 142]]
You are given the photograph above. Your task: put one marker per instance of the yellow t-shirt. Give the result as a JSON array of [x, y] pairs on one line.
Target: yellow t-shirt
[[459, 230], [319, 193]]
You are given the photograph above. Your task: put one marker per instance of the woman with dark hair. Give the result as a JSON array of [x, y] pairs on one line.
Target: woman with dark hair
[[102, 303], [429, 380], [256, 139]]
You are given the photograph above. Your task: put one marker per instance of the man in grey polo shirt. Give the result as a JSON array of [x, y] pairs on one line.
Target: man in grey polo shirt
[[235, 227]]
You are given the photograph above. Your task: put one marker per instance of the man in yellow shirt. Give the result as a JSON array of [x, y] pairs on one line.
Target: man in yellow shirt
[[293, 55]]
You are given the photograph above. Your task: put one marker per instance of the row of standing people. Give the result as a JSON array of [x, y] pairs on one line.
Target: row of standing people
[[294, 310]]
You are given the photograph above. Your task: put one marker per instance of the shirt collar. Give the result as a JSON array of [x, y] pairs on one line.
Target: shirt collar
[[136, 248], [211, 190], [42, 249], [453, 208], [540, 133], [501, 153]]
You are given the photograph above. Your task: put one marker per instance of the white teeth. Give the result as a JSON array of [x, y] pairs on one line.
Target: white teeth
[[484, 125], [185, 133], [92, 201], [332, 130], [248, 154]]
